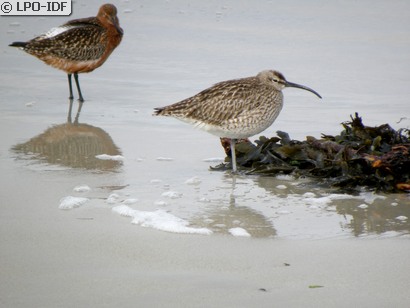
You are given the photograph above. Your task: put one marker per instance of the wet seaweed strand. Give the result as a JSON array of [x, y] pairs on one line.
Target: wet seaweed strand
[[375, 157]]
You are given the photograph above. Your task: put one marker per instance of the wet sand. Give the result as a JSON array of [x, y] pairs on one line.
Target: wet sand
[[304, 245]]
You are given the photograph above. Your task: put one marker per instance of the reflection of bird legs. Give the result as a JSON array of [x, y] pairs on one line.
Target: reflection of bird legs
[[70, 110], [80, 105], [232, 200]]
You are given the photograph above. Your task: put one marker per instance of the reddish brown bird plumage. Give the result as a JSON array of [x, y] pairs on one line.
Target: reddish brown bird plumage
[[78, 46]]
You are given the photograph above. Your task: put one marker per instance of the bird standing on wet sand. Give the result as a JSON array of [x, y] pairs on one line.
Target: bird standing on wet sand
[[78, 46], [235, 109]]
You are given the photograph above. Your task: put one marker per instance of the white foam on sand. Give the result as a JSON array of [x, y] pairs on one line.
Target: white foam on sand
[[160, 203], [130, 201], [110, 157], [285, 177], [82, 188], [311, 199], [193, 181], [113, 198], [172, 194], [369, 197], [164, 159], [239, 232], [159, 220], [70, 202]]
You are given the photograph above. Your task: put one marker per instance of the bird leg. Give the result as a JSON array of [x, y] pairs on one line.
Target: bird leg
[[70, 87], [233, 155], [80, 96]]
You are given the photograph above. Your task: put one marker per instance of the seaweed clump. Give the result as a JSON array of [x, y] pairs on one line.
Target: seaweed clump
[[375, 157]]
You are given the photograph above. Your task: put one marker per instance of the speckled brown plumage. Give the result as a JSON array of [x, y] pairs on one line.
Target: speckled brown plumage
[[78, 46], [235, 109]]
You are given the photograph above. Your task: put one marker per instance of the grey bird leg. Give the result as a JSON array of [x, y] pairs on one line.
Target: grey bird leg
[[80, 96], [70, 86], [233, 155]]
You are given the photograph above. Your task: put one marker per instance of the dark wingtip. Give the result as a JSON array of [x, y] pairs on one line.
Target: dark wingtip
[[18, 44], [157, 111]]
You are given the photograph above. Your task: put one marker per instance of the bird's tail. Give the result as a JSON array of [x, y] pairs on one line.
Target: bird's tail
[[158, 111], [18, 44]]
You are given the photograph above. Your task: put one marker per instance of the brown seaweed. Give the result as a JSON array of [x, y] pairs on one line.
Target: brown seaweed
[[374, 157]]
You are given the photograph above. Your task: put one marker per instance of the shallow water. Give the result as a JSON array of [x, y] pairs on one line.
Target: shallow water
[[356, 60]]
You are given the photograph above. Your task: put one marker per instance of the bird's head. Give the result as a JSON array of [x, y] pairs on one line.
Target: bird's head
[[108, 14], [279, 82]]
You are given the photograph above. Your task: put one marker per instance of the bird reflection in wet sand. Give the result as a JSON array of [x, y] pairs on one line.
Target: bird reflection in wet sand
[[378, 218], [70, 110], [78, 46], [374, 216], [222, 219], [72, 145], [235, 109]]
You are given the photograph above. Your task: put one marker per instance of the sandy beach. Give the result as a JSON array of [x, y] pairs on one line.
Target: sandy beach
[[123, 210]]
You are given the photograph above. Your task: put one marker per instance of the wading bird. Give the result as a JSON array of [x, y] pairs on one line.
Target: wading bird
[[78, 46], [235, 109]]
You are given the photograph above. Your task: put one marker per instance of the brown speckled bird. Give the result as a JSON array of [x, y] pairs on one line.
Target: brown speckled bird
[[235, 109], [78, 46]]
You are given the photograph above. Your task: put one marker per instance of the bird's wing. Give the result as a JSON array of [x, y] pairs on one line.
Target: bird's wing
[[76, 40], [222, 102]]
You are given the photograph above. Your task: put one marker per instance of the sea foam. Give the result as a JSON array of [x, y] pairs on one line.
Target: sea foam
[[159, 220], [70, 202]]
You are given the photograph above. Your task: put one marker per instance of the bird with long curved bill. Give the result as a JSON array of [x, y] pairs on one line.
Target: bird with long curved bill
[[235, 109]]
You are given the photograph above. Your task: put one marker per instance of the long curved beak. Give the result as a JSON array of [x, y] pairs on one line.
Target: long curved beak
[[295, 85]]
